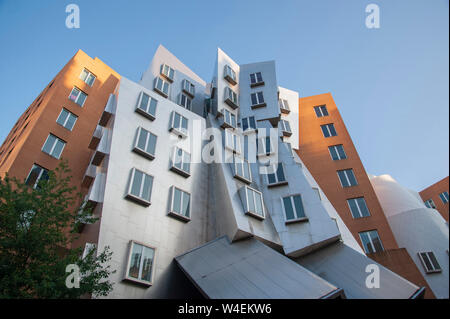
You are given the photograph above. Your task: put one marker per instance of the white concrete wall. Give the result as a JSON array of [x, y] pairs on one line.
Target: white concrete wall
[[416, 228]]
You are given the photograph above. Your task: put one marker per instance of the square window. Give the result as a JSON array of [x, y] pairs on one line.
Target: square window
[[347, 178], [358, 207], [140, 265], [229, 119], [67, 119], [180, 204], [188, 87], [284, 106], [285, 128], [430, 203], [371, 241], [230, 75], [293, 208], [53, 146], [36, 175], [321, 111], [78, 96], [231, 98], [252, 201], [444, 197], [167, 72], [337, 152], [232, 141], [161, 86], [275, 175], [248, 123], [256, 79], [328, 130], [429, 262], [185, 101], [241, 169], [265, 146], [181, 162], [178, 124], [145, 143], [257, 100], [140, 187], [147, 106], [87, 77]]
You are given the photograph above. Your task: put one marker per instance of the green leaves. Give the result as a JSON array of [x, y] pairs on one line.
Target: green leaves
[[37, 229]]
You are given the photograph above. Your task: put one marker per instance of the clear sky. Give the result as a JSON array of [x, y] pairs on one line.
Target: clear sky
[[390, 84]]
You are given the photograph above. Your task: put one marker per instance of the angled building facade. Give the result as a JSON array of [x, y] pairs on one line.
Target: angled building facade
[[437, 196], [199, 191]]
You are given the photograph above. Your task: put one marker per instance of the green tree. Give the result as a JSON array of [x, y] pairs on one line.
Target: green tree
[[37, 227]]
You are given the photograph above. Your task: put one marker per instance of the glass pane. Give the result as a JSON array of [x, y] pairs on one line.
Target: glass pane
[[343, 179], [289, 211], [71, 122], [258, 200], [33, 176], [268, 149], [62, 117], [299, 206], [166, 88], [252, 122], [74, 94], [151, 144], [252, 78], [259, 77], [147, 189], [184, 123], [144, 102], [260, 97], [325, 131], [366, 243], [142, 139], [176, 200], [434, 261], [244, 124], [176, 120], [376, 241], [58, 148], [186, 162], [186, 203], [332, 130], [83, 75], [178, 160], [287, 126], [318, 113], [251, 203], [135, 261], [246, 167], [147, 264], [81, 99], [333, 153], [152, 108], [353, 208], [254, 100], [136, 183], [90, 80], [363, 206], [49, 144], [351, 177], [271, 178], [280, 173], [233, 120], [324, 110], [342, 154]]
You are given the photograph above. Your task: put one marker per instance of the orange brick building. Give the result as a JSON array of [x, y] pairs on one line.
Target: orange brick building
[[56, 127], [326, 148], [437, 196]]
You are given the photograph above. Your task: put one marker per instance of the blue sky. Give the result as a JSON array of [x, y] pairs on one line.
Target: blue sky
[[390, 84]]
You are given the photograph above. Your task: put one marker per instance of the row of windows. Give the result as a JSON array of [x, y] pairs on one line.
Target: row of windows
[[444, 196]]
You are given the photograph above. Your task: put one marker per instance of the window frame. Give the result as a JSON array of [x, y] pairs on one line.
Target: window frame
[[127, 269], [171, 72], [247, 211], [180, 130], [428, 270], [284, 106], [141, 151], [430, 203], [360, 211], [256, 82], [347, 178], [321, 112], [229, 74], [38, 179], [188, 87], [371, 241], [146, 113], [236, 142], [188, 101], [335, 148], [277, 182], [231, 98], [230, 115], [80, 91], [176, 169], [172, 198], [160, 91], [249, 127], [260, 101], [265, 153], [54, 145], [444, 196], [327, 126], [138, 198], [89, 73], [70, 114], [284, 130], [297, 218], [244, 162]]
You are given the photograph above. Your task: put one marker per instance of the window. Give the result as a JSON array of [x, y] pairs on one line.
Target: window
[[229, 119], [147, 106], [321, 110], [444, 197], [275, 175], [265, 146], [179, 124], [231, 98], [293, 208], [371, 241], [429, 262], [284, 106], [347, 177], [232, 141], [230, 75], [140, 187], [161, 86], [430, 203], [241, 169], [317, 192], [88, 247], [78, 96], [87, 77], [180, 204], [140, 264], [257, 99], [188, 87], [285, 128], [328, 130], [37, 174], [253, 202], [256, 79], [185, 101], [167, 72], [53, 146], [181, 162], [145, 143], [358, 207], [248, 123], [67, 119], [337, 152]]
